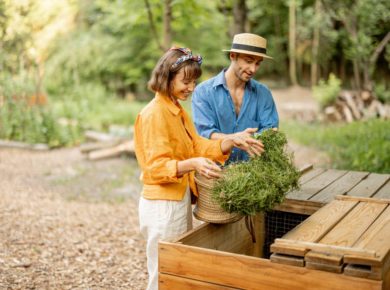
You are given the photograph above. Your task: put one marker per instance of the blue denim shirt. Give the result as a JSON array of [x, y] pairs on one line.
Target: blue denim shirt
[[213, 110]]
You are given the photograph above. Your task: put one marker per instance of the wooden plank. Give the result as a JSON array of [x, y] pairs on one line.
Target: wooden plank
[[324, 267], [317, 225], [370, 185], [305, 168], [352, 226], [368, 272], [376, 239], [246, 272], [319, 257], [23, 145], [384, 192], [362, 199], [305, 207], [316, 184], [340, 186], [127, 146], [310, 175], [169, 282], [334, 249], [288, 260], [233, 237], [345, 234], [88, 147]]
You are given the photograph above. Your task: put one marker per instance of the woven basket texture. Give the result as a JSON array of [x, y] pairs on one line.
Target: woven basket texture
[[206, 208]]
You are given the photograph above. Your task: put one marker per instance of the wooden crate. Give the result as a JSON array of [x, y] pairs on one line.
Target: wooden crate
[[224, 257], [350, 235]]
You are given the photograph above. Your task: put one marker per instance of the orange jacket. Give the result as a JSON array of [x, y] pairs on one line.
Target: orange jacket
[[164, 135]]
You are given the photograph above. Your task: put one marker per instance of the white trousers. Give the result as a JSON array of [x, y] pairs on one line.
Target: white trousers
[[162, 220]]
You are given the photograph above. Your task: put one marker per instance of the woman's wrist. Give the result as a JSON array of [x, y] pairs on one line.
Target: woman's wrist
[[227, 145]]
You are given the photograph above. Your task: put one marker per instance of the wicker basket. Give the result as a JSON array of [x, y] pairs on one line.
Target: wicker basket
[[206, 208]]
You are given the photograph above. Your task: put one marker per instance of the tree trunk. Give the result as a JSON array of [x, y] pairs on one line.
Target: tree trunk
[[292, 37], [369, 68], [167, 24], [240, 16], [152, 25], [315, 45]]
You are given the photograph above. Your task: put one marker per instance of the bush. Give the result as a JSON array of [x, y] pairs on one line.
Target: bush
[[361, 146], [382, 93], [327, 92], [33, 124], [21, 119]]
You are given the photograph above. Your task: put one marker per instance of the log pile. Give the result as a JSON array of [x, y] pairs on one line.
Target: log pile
[[351, 106], [102, 145]]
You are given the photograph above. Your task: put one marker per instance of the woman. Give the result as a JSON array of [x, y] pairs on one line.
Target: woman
[[169, 152]]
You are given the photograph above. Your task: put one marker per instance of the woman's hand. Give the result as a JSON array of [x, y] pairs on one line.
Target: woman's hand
[[244, 141], [203, 166], [206, 167]]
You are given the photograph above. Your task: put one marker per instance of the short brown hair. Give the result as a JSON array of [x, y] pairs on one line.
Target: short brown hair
[[163, 72]]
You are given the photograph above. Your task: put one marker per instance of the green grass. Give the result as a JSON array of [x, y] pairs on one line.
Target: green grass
[[360, 146]]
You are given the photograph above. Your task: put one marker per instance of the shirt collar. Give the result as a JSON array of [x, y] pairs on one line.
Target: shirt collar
[[221, 80], [168, 103]]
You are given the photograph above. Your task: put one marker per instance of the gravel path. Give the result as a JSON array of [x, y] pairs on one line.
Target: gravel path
[[55, 230]]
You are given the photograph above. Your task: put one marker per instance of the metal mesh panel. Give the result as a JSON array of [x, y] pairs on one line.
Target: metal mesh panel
[[277, 224]]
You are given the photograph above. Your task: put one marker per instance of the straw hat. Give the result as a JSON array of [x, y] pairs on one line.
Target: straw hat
[[249, 43]]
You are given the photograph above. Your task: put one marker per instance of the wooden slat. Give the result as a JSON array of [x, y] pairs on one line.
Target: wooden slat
[[334, 249], [369, 272], [340, 186], [384, 192], [370, 185], [233, 237], [305, 207], [246, 272], [362, 199], [377, 239], [317, 225], [352, 226], [346, 233], [310, 175], [305, 168], [316, 184], [324, 267], [288, 260], [170, 282]]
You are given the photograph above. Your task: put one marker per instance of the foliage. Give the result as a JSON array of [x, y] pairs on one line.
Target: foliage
[[327, 92], [35, 124], [361, 146], [382, 93], [262, 182]]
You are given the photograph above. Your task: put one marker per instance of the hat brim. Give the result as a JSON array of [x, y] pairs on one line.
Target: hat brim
[[248, 52]]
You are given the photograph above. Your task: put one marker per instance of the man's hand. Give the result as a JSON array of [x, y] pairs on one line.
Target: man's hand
[[244, 140]]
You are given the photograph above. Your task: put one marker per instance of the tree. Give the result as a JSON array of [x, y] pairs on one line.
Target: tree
[[291, 43]]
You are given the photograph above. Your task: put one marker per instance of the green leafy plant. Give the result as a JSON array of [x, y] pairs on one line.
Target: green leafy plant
[[262, 182], [327, 92], [360, 146]]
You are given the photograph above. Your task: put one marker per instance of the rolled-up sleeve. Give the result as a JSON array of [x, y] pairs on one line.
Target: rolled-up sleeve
[[154, 151], [203, 114]]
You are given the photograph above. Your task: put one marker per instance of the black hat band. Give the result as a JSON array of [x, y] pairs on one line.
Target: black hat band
[[249, 48]]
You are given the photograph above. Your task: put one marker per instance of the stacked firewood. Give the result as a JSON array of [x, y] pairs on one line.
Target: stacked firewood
[[350, 106], [103, 145]]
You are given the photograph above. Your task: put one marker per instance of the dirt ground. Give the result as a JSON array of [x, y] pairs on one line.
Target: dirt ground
[[70, 223]]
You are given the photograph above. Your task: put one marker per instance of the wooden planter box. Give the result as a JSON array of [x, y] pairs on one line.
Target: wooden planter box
[[224, 257]]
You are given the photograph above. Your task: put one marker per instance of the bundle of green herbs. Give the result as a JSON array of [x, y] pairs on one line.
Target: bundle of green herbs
[[260, 183]]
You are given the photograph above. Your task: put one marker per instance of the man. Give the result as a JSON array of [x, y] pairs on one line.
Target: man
[[233, 103]]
